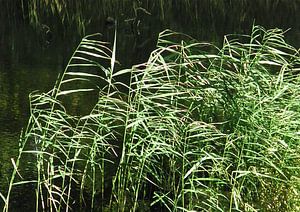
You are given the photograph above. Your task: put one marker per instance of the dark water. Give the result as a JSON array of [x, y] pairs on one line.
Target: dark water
[[36, 45]]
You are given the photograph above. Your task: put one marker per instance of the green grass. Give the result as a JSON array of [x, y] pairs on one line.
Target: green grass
[[197, 128]]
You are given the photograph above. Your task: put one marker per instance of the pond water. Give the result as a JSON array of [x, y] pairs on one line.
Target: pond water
[[35, 45]]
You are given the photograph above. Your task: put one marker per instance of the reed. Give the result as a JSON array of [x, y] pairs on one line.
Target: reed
[[197, 128]]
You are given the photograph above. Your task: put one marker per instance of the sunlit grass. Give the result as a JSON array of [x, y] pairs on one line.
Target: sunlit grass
[[198, 128]]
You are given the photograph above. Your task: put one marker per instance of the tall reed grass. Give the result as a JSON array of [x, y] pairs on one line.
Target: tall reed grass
[[197, 128]]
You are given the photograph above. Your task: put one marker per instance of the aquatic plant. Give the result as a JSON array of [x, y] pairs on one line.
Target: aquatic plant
[[196, 128]]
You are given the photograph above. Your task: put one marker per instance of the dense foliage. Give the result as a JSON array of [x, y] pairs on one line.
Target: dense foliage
[[196, 128]]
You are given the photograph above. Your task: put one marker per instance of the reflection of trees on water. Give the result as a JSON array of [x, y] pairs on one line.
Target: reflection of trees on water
[[220, 16], [15, 85], [141, 20]]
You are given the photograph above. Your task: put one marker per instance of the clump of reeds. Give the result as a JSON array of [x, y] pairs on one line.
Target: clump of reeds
[[197, 128]]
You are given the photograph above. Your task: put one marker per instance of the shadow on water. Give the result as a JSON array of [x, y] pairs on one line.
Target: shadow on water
[[37, 38]]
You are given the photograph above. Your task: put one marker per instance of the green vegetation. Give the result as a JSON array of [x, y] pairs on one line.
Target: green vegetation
[[196, 128]]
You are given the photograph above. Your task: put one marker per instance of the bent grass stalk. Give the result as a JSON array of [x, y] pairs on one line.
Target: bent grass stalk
[[198, 128]]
